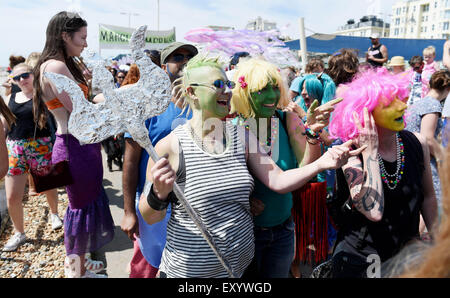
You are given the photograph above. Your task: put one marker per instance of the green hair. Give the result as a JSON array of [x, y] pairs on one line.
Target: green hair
[[202, 60], [198, 61]]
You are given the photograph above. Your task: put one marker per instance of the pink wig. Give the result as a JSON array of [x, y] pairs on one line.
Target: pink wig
[[366, 90]]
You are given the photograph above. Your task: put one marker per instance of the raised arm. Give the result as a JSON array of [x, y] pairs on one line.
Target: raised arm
[[309, 150], [364, 181]]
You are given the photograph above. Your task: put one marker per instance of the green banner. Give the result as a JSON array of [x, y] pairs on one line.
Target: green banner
[[113, 37]]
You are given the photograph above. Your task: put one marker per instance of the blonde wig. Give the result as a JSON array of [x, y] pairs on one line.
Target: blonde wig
[[251, 76]]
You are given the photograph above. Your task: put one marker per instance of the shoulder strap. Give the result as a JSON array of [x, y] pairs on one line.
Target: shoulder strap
[[282, 116]]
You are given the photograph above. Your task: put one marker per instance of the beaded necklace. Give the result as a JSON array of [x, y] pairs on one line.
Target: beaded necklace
[[385, 176], [272, 138]]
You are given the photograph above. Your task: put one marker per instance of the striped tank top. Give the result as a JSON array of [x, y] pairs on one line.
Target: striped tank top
[[218, 188]]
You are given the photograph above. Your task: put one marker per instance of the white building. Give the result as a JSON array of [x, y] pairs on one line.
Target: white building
[[367, 26], [260, 25], [426, 19]]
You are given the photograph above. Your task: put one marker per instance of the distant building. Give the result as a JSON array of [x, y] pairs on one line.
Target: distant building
[[261, 25], [367, 26], [426, 19]]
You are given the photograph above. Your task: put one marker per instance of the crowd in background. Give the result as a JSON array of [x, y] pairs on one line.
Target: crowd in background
[[358, 162]]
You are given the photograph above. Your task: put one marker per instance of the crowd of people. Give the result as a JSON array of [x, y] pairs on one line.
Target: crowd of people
[[332, 165]]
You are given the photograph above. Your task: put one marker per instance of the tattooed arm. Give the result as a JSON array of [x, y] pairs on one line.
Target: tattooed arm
[[364, 182], [366, 189]]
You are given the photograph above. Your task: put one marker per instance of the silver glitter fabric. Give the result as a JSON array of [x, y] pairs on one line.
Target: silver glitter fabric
[[125, 109]]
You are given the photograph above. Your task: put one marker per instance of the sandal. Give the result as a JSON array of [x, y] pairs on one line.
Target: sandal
[[93, 266]]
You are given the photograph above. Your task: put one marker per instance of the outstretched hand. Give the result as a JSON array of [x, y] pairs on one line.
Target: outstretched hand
[[338, 155], [317, 116]]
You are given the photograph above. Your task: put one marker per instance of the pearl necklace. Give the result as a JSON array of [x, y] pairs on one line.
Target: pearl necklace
[[385, 176]]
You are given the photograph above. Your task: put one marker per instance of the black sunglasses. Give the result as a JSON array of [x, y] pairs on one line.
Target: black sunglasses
[[180, 57], [120, 77], [25, 75]]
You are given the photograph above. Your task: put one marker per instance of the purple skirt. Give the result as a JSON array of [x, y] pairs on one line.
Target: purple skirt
[[88, 224]]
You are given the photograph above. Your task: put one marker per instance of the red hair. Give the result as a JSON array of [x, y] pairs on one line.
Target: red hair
[[132, 75]]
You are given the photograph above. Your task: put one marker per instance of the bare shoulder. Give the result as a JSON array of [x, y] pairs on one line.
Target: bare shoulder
[[56, 66], [165, 145]]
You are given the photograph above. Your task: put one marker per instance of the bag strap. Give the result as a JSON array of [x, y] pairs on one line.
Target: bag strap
[[282, 116]]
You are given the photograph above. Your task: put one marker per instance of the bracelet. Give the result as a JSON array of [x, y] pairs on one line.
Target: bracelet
[[311, 134], [156, 203]]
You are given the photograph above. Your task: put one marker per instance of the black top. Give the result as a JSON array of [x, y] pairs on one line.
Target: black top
[[376, 53], [15, 88], [24, 126], [400, 222]]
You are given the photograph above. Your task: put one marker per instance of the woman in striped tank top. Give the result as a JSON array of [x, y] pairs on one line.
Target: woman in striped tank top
[[214, 164]]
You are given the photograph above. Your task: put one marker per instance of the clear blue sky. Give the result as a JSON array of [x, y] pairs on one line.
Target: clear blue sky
[[24, 22]]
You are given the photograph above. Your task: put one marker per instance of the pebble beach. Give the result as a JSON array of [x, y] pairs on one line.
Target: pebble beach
[[42, 256]]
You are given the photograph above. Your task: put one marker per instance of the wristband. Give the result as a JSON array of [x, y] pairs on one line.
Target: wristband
[[156, 203]]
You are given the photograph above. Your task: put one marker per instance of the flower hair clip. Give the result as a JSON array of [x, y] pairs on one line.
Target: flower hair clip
[[242, 81]]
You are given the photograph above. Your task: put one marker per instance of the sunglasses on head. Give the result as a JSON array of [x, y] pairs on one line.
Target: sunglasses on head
[[180, 57], [218, 84], [25, 75]]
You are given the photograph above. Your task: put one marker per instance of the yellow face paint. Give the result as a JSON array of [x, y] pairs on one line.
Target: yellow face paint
[[391, 116]]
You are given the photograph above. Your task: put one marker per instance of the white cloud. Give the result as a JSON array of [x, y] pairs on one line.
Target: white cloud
[[24, 22]]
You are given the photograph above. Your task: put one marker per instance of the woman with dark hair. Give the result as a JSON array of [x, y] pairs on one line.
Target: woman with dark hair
[[342, 67], [88, 223]]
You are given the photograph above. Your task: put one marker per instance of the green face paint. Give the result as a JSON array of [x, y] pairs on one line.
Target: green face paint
[[213, 101], [265, 101]]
